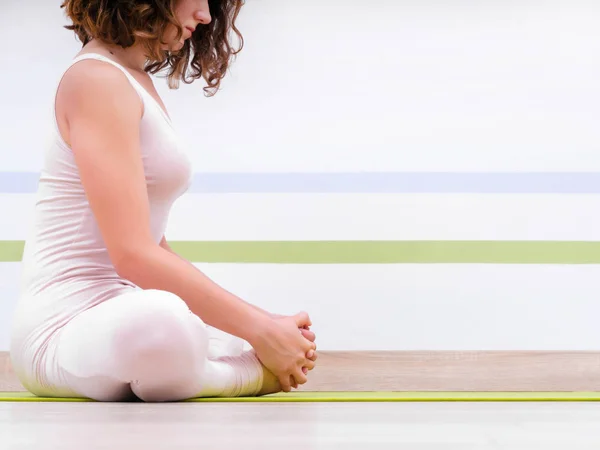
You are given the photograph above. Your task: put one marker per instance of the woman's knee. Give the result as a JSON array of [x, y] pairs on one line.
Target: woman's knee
[[154, 314], [161, 334]]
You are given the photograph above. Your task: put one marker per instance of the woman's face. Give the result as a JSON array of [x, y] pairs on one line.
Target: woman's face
[[190, 14]]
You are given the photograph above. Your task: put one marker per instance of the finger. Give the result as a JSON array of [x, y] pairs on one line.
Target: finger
[[305, 370], [293, 382], [307, 334], [309, 365], [302, 319], [300, 377], [308, 345], [312, 355]]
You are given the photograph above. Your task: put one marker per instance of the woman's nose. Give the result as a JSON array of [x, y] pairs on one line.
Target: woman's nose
[[203, 16]]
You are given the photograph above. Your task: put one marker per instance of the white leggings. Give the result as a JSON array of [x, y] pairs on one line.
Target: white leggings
[[146, 344]]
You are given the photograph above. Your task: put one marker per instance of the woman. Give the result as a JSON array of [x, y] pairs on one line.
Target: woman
[[107, 310]]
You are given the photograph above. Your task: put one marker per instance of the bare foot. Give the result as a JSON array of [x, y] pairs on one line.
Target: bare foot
[[270, 385]]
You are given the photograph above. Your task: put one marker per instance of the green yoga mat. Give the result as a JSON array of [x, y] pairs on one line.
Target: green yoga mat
[[362, 397]]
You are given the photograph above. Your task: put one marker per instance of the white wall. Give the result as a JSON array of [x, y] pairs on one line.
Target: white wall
[[429, 86]]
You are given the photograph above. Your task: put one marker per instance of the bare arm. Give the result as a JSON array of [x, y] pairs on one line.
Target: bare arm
[[164, 244], [103, 114], [305, 330]]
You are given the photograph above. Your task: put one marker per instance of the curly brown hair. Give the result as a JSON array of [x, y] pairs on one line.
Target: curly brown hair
[[207, 54]]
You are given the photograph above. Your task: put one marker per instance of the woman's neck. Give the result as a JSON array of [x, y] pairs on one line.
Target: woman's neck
[[133, 57]]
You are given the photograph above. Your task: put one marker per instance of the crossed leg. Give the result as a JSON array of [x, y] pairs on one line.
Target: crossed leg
[[148, 344]]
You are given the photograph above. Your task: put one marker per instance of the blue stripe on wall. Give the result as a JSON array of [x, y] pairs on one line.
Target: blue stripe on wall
[[18, 182], [366, 182]]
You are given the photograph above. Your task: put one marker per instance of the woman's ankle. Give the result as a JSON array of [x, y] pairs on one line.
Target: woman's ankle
[[270, 383]]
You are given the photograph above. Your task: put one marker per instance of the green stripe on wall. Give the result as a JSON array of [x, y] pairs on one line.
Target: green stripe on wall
[[11, 251], [373, 252]]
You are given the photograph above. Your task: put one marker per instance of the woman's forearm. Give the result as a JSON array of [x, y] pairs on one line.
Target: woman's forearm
[[164, 244], [158, 268]]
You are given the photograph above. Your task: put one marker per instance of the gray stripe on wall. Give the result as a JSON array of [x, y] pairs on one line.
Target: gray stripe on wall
[[366, 182]]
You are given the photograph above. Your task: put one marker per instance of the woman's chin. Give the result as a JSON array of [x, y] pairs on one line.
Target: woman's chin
[[174, 47]]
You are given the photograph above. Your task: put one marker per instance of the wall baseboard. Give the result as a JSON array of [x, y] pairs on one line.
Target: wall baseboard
[[525, 371], [556, 371]]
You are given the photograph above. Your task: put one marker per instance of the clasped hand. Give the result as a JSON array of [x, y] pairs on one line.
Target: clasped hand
[[286, 347]]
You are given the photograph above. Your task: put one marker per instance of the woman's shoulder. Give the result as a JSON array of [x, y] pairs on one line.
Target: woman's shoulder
[[93, 81], [91, 71]]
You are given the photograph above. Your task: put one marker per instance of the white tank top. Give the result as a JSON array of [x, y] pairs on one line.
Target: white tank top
[[66, 268]]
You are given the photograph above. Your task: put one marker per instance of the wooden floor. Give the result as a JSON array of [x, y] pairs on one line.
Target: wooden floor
[[435, 371], [300, 426]]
